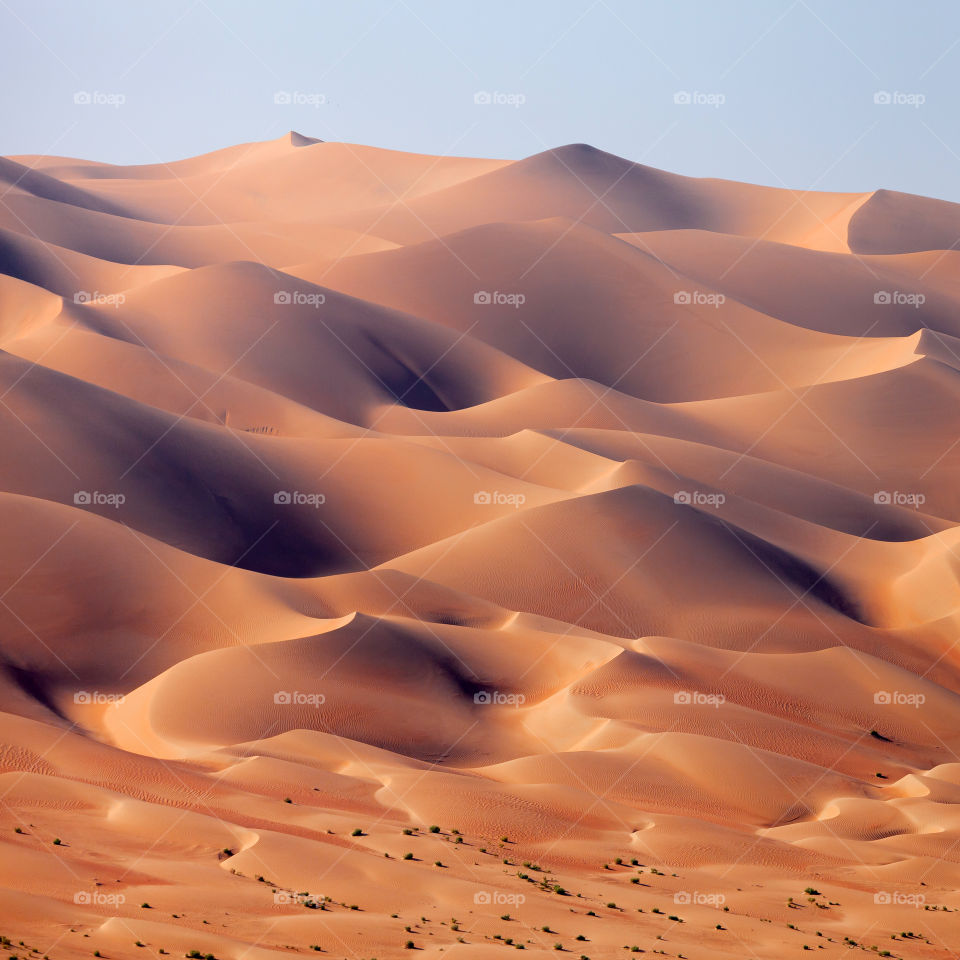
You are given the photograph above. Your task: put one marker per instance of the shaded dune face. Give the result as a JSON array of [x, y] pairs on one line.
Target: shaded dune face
[[564, 500]]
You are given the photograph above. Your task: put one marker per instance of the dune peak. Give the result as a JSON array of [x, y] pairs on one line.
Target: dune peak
[[301, 140]]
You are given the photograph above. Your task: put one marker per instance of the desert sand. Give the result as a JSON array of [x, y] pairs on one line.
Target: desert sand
[[457, 555]]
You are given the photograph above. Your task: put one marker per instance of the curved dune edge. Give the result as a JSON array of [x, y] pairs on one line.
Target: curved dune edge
[[616, 540]]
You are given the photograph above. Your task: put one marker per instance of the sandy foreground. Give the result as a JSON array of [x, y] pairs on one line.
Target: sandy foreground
[[411, 553]]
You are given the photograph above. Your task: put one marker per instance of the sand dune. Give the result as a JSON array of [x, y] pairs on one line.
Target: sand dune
[[475, 554]]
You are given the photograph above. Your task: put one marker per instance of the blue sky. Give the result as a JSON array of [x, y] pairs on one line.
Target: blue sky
[[782, 92]]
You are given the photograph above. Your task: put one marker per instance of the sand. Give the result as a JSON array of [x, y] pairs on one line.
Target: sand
[[557, 554]]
